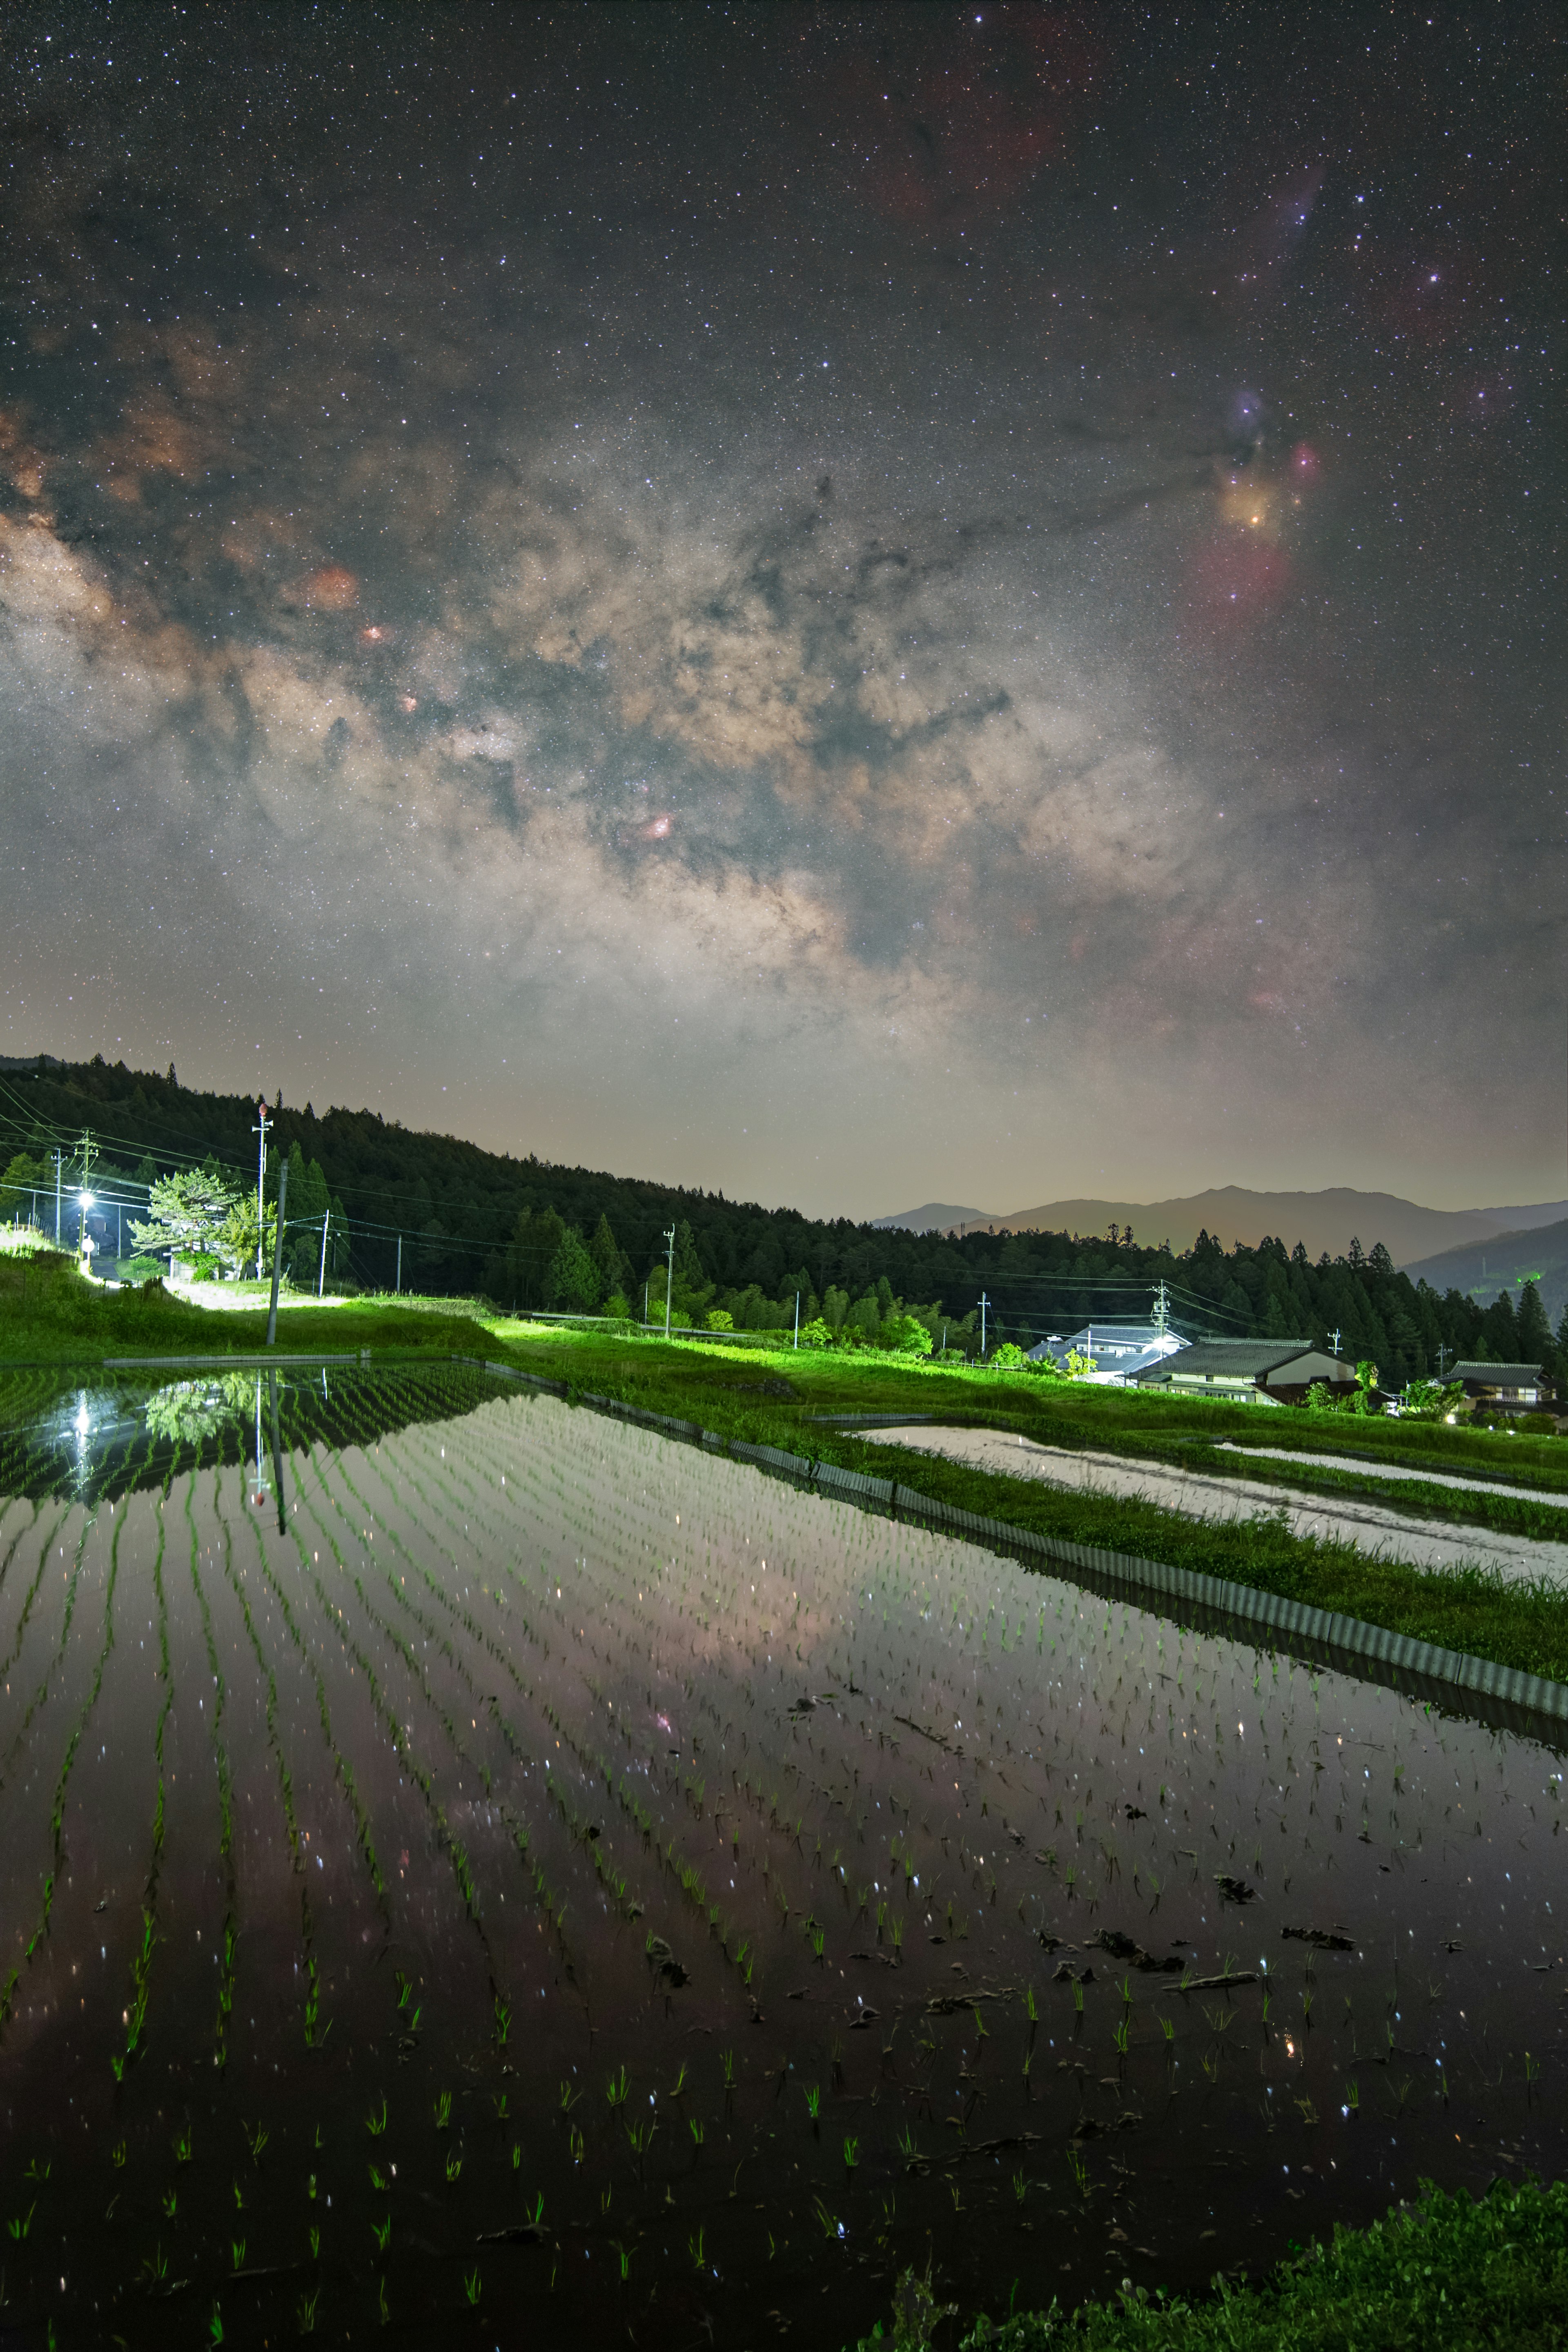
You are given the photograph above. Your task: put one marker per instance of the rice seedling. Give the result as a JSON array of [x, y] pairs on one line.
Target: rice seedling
[[305, 2313], [851, 2154], [381, 2232], [441, 2110], [454, 2165]]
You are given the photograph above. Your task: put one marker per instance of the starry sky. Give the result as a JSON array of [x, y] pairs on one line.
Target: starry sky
[[849, 605]]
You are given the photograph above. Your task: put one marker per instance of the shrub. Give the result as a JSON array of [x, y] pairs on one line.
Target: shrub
[[815, 1334], [721, 1320], [1007, 1357]]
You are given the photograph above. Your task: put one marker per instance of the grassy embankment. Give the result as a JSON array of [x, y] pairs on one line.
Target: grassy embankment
[[773, 1398], [1446, 2275], [49, 1315]]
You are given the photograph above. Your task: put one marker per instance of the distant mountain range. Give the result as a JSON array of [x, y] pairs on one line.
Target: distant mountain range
[[1322, 1220]]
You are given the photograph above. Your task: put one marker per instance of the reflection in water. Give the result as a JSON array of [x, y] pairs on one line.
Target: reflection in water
[[59, 1437], [188, 1410]]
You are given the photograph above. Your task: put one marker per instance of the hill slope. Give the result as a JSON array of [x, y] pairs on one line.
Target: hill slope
[[1482, 1268]]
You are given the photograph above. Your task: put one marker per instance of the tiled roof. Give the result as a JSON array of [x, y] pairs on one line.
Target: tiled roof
[[1238, 1358]]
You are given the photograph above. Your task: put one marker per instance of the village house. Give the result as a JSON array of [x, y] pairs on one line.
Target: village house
[[1250, 1372]]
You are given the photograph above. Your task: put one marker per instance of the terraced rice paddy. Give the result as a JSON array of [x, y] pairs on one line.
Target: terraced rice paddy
[[521, 1879]]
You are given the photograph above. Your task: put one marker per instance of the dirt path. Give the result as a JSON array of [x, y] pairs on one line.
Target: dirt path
[[1371, 1526]]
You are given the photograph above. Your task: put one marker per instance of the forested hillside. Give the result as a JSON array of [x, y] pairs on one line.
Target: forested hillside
[[520, 1230]]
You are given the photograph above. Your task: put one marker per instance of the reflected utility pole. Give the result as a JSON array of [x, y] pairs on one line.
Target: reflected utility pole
[[278, 1449], [670, 1279]]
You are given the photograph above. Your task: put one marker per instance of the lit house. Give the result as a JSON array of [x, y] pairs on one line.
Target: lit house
[[1510, 1387]]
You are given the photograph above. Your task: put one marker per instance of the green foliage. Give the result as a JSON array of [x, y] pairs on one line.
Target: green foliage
[[1007, 1357], [1431, 1400], [195, 1213], [573, 1281], [720, 1320], [815, 1334], [1444, 2271]]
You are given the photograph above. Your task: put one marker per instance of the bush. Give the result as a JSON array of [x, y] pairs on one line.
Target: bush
[[815, 1334], [1007, 1357], [721, 1320]]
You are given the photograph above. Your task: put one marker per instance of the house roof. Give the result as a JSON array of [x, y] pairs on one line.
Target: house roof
[[1240, 1356], [1500, 1375], [1241, 1359]]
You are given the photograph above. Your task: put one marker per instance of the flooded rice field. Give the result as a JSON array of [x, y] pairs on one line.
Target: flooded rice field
[[468, 1875]]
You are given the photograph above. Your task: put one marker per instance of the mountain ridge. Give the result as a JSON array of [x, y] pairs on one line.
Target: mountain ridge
[[1325, 1220]]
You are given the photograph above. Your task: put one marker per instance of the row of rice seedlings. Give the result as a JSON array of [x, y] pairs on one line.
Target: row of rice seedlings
[[142, 1959], [554, 1904], [419, 1772], [689, 1876], [31, 1594], [236, 1581], [689, 1880], [56, 1814], [53, 1664], [343, 1770], [228, 1965]]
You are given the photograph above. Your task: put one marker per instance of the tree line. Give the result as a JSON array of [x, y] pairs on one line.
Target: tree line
[[522, 1232]]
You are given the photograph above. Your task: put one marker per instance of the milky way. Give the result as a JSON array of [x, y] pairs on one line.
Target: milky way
[[846, 606]]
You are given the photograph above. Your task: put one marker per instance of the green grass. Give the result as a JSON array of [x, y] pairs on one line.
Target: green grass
[[1444, 2276], [48, 1314]]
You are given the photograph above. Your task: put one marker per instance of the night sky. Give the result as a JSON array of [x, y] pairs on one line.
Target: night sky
[[850, 606]]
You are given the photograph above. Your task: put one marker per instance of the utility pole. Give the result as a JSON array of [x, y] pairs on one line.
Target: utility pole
[[1441, 1353], [797, 1319], [277, 1258], [260, 1184], [670, 1279], [644, 1306], [57, 1158], [87, 1153], [400, 1265], [984, 1303], [1160, 1311], [1335, 1339], [321, 1277]]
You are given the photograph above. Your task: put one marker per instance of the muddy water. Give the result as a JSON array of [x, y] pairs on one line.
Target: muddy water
[[546, 1813]]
